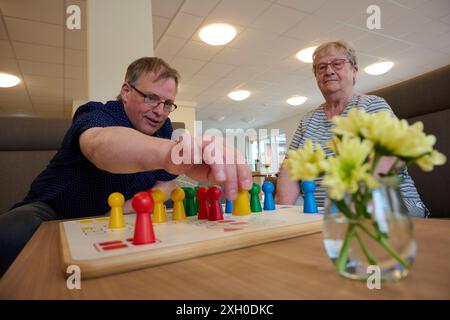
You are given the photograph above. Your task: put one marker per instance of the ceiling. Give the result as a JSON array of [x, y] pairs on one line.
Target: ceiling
[[415, 34], [51, 59]]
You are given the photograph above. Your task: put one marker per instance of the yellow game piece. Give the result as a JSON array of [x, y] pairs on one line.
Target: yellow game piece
[[241, 206], [116, 201], [177, 197], [159, 211]]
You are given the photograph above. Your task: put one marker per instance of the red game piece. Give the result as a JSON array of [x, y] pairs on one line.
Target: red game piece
[[203, 203], [142, 203], [215, 209]]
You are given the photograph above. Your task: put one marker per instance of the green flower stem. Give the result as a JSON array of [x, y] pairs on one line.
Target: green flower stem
[[376, 159], [342, 206], [368, 255], [382, 241], [343, 254]]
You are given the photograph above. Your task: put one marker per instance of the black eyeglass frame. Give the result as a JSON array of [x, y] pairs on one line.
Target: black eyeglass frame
[[174, 106]]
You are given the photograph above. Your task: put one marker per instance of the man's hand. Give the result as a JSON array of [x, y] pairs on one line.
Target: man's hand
[[210, 159]]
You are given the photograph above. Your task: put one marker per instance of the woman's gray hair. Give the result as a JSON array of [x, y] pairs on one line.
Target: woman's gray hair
[[339, 44]]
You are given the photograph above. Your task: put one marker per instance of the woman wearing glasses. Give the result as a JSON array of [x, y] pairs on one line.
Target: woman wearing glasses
[[335, 68]]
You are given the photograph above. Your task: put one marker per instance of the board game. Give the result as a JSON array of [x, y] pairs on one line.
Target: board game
[[99, 251]]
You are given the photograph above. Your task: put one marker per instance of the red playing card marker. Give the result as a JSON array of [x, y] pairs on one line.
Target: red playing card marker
[[203, 203], [142, 203], [215, 209]]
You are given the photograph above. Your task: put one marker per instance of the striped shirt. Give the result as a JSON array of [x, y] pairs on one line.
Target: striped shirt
[[317, 127]]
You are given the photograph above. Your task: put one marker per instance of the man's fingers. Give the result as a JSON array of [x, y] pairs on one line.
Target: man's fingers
[[244, 176], [231, 182]]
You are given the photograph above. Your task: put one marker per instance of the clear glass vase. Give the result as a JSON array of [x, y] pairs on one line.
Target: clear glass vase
[[380, 235]]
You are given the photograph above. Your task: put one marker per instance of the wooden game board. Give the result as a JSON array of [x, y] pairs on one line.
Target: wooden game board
[[100, 251]]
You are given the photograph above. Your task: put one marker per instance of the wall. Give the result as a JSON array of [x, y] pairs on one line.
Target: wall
[[186, 115], [288, 125], [119, 33]]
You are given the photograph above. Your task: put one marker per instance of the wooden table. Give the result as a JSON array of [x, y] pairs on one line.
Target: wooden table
[[290, 269]]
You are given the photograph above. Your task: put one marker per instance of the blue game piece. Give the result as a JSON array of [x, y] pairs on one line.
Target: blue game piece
[[309, 204], [229, 206], [268, 188]]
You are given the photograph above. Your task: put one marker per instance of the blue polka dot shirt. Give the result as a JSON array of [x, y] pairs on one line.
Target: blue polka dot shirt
[[72, 185]]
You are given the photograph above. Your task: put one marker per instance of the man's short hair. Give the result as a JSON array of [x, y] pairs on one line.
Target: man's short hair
[[339, 44], [150, 65]]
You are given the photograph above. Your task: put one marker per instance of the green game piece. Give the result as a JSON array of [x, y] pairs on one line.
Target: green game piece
[[255, 204], [185, 196], [195, 198], [190, 202]]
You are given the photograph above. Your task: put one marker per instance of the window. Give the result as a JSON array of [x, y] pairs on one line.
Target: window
[[267, 152]]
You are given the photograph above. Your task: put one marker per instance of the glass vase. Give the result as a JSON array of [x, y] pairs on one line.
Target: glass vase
[[380, 234]]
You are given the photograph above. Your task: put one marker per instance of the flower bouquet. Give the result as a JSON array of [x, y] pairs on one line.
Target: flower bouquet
[[366, 222]]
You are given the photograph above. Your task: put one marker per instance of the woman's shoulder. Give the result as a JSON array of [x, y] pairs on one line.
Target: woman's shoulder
[[373, 103]]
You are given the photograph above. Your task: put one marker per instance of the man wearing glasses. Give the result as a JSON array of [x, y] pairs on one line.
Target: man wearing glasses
[[121, 146], [335, 67]]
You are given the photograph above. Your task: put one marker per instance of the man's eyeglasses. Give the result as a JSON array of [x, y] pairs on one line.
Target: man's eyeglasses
[[336, 64], [153, 100]]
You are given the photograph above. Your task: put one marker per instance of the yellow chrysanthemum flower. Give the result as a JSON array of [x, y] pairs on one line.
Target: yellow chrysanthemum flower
[[349, 167], [389, 135], [350, 125], [306, 163], [427, 162]]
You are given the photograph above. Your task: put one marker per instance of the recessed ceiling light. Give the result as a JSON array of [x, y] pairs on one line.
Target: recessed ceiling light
[[239, 95], [217, 34], [305, 55], [379, 68], [8, 80], [297, 100]]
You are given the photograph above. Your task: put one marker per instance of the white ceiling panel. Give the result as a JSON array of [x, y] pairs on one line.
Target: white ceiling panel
[[184, 25], [3, 34], [49, 11], [311, 28], [199, 50], [435, 8], [216, 69], [75, 57], [164, 8], [415, 34], [75, 39], [40, 81], [281, 19], [169, 45], [6, 50], [160, 25], [187, 66], [199, 7], [436, 28], [35, 32], [253, 39], [75, 73], [38, 53], [303, 5], [239, 12], [41, 68]]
